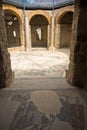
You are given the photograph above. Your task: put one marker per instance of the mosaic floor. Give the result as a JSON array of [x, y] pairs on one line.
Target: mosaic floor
[[64, 109]]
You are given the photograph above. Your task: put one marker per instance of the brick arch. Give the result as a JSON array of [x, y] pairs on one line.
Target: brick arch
[[40, 12], [14, 10], [62, 12], [19, 14]]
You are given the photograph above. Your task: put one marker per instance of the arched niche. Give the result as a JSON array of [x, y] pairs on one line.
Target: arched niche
[[12, 28], [39, 31], [65, 23]]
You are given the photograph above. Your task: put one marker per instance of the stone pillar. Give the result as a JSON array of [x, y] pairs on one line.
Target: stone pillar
[[27, 33], [77, 74], [30, 35], [22, 39], [48, 36], [51, 48], [5, 62]]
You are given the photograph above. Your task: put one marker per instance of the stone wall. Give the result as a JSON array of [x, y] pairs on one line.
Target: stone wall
[[5, 63], [13, 35], [65, 35], [78, 60]]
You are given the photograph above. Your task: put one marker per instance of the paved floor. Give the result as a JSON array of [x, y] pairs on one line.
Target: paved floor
[[35, 63], [38, 69], [38, 99]]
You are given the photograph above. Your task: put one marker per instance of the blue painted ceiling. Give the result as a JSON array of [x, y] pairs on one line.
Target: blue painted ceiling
[[45, 4]]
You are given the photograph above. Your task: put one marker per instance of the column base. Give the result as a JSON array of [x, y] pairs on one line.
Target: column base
[[28, 49], [51, 48]]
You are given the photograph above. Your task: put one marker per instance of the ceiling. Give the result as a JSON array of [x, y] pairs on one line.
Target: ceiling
[[39, 4]]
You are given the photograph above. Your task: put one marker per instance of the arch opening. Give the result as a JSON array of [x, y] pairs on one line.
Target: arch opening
[[12, 28], [39, 29], [65, 29]]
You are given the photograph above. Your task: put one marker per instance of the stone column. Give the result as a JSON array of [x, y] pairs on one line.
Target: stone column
[[77, 74], [6, 75], [22, 39], [30, 35], [51, 48], [48, 36], [27, 33]]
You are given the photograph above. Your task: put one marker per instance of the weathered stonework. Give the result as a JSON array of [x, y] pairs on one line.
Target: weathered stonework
[[77, 74], [20, 16], [5, 63], [59, 14], [53, 29]]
